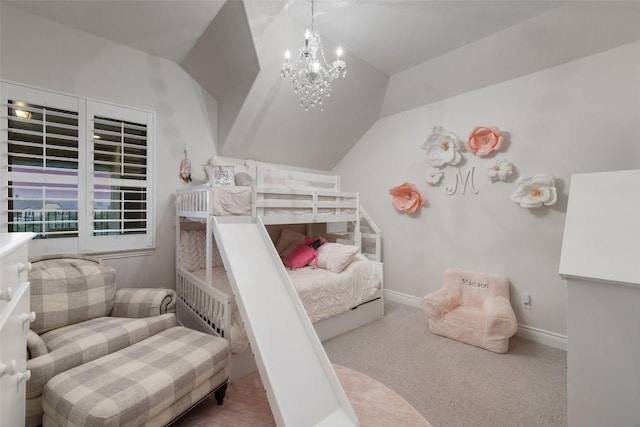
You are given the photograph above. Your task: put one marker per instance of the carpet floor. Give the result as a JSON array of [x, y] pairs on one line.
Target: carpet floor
[[246, 405], [455, 384], [447, 382]]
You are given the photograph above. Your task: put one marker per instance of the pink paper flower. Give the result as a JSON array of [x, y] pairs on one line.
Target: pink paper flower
[[406, 197], [483, 140]]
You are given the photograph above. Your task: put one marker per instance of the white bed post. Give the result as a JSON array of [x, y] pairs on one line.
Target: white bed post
[[177, 233], [357, 235], [208, 254]]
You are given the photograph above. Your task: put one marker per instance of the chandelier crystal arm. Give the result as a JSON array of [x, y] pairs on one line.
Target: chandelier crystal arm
[[310, 73]]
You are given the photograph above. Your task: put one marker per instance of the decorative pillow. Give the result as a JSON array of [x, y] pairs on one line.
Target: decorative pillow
[[336, 257], [288, 241], [315, 243], [243, 179], [68, 289], [219, 174], [300, 257]]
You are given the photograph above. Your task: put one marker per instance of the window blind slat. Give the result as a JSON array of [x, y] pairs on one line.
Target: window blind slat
[[120, 206], [115, 122], [43, 159], [102, 133]]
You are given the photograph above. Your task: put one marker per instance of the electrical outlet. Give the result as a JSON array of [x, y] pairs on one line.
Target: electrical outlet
[[526, 301]]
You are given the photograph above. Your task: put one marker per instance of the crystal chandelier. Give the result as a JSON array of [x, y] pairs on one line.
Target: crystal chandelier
[[310, 73]]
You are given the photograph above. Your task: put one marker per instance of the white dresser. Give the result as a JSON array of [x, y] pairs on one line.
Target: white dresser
[[601, 262], [14, 322]]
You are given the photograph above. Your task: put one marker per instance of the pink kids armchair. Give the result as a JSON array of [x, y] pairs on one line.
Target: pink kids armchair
[[473, 308]]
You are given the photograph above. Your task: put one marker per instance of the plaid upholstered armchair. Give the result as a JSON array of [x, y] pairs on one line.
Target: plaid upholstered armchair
[[80, 317]]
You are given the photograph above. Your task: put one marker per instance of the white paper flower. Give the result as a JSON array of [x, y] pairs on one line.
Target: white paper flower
[[442, 148], [433, 176], [535, 191], [499, 169]]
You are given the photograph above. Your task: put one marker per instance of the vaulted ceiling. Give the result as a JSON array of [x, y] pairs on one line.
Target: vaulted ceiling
[[400, 54]]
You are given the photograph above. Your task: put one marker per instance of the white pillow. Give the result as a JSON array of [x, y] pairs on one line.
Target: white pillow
[[220, 174], [243, 179], [336, 257]]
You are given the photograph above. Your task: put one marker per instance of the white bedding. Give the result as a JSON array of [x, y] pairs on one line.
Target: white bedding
[[230, 200], [323, 293], [236, 200]]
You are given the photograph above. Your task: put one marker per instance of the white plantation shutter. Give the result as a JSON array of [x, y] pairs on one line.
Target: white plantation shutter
[[76, 172], [40, 162], [121, 195]]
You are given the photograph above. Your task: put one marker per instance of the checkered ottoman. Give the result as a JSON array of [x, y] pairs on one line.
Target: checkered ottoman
[[148, 383]]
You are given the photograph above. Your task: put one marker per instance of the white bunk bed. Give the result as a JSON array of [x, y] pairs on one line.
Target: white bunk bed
[[281, 198]]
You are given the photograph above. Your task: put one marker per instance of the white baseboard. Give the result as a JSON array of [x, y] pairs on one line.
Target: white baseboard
[[542, 336], [402, 298], [530, 333]]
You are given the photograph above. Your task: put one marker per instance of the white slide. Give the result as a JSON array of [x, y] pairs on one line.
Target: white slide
[[302, 387]]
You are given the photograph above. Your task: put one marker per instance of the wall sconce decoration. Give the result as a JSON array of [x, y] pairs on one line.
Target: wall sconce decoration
[[442, 148], [484, 139], [499, 170], [406, 197], [535, 191]]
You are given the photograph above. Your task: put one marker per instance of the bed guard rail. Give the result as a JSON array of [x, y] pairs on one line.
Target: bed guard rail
[[208, 303], [193, 201], [370, 240]]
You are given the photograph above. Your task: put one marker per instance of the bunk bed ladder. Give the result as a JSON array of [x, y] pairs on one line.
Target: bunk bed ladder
[[302, 387], [370, 244]]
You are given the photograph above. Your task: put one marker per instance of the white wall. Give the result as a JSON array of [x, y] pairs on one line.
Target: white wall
[[579, 117], [44, 54], [565, 33]]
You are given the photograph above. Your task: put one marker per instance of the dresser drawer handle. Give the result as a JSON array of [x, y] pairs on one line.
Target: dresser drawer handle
[[6, 295], [28, 318], [24, 267], [9, 369], [24, 376]]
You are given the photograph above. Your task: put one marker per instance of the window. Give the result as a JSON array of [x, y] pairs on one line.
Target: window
[[77, 172]]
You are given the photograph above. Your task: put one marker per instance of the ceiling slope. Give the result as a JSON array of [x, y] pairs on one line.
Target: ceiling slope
[[271, 126], [400, 54], [165, 28], [225, 63], [566, 33]]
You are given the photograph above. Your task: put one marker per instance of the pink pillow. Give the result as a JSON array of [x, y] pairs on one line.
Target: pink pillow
[[301, 256]]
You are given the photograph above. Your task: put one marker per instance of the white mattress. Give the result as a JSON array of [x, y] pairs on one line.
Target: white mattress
[[322, 292]]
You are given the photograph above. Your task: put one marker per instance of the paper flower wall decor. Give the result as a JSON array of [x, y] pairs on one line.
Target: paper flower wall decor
[[535, 191], [442, 148], [433, 176], [483, 140], [406, 197], [499, 169]]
